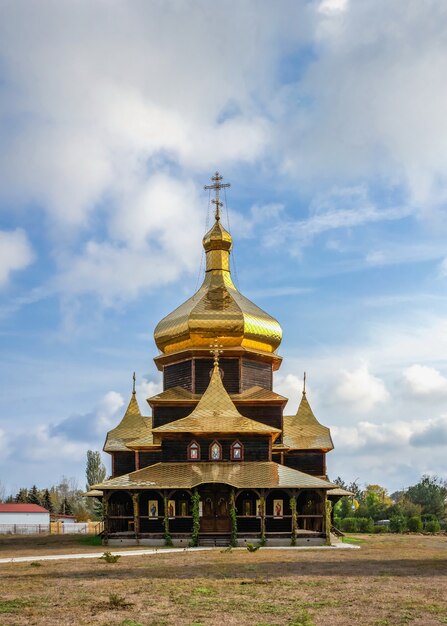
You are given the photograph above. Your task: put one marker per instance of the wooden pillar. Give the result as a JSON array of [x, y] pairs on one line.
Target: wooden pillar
[[263, 506], [136, 513], [327, 518], [294, 519], [105, 512]]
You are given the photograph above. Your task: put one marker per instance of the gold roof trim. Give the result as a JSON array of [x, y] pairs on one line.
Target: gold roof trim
[[243, 475], [218, 309], [179, 394], [216, 413], [131, 426], [304, 432]]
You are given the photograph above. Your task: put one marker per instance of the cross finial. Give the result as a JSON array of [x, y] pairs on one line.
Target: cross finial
[[217, 186], [304, 384], [215, 351], [133, 383]]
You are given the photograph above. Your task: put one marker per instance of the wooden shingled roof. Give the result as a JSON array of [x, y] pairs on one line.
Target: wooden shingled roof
[[216, 413], [241, 475], [304, 432]]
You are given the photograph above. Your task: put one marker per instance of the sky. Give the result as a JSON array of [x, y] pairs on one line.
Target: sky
[[328, 118]]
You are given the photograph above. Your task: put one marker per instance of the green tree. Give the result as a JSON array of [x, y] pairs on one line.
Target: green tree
[[430, 493], [95, 470], [34, 496], [47, 503], [22, 496], [65, 508]]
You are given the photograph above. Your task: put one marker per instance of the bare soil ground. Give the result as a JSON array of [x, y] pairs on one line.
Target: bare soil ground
[[392, 580]]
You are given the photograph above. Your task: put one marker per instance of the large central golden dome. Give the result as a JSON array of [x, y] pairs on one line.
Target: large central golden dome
[[217, 310]]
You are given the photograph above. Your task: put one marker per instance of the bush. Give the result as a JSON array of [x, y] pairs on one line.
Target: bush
[[381, 529], [415, 524], [365, 525], [433, 526], [398, 524], [349, 525]]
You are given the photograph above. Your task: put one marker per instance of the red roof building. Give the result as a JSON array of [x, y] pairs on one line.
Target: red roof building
[[22, 508]]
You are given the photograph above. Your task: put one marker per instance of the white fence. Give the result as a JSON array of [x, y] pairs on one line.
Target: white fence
[[55, 528], [24, 529]]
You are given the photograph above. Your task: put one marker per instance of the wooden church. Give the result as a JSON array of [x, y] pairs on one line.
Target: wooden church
[[217, 462]]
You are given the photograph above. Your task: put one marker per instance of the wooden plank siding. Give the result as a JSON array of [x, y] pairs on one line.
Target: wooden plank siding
[[123, 463], [255, 374], [149, 458], [313, 463], [255, 448], [229, 367], [178, 375]]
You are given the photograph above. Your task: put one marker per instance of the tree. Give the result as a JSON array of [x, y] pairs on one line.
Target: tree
[[95, 470], [34, 496], [22, 496], [47, 503], [377, 501], [430, 493], [65, 508]]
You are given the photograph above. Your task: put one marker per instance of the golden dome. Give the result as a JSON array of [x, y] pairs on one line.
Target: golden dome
[[217, 309]]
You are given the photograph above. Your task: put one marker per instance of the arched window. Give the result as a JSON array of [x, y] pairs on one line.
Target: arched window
[[237, 451], [193, 451], [215, 451]]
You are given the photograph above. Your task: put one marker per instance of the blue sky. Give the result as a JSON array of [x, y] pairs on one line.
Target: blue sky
[[328, 119]]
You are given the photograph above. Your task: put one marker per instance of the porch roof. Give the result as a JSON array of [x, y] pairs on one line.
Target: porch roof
[[241, 475]]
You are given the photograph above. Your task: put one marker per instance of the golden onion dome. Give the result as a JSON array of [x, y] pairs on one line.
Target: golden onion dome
[[218, 309]]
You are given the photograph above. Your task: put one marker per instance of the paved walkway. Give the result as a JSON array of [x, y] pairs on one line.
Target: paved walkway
[[152, 551]]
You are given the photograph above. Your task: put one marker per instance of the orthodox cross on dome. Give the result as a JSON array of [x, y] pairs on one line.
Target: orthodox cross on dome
[[217, 186], [133, 383], [304, 384], [215, 351]]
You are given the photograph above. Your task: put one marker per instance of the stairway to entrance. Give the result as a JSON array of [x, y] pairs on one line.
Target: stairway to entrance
[[221, 540]]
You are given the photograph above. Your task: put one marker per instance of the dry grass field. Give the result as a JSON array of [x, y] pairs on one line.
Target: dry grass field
[[391, 580]]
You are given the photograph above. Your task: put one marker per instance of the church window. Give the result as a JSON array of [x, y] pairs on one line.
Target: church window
[[237, 451], [193, 451], [215, 451]]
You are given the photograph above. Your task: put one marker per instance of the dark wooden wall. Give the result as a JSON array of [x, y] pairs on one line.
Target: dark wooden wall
[[255, 448], [178, 375], [256, 374], [266, 414], [123, 463], [238, 374], [310, 462], [165, 414], [229, 367], [149, 458]]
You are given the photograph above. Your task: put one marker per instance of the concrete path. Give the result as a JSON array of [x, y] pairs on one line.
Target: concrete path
[[152, 551]]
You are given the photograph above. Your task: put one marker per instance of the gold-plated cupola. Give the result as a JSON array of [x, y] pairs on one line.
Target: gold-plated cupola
[[218, 309]]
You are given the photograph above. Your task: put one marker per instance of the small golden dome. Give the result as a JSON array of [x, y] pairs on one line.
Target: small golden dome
[[218, 309]]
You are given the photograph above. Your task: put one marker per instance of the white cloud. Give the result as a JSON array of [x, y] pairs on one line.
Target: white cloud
[[372, 104], [340, 208], [107, 411], [433, 434], [15, 253], [361, 389], [423, 380]]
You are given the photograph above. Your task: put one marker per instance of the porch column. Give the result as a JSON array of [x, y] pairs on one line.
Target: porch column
[[105, 512], [294, 519], [136, 512], [327, 516], [262, 498]]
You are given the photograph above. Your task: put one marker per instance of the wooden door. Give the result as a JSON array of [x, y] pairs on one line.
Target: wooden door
[[216, 512]]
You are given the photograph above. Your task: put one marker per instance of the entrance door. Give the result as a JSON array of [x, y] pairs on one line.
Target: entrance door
[[216, 511]]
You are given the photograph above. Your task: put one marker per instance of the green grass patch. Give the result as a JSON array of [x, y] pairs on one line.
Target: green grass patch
[[14, 606], [206, 591], [352, 540], [90, 540]]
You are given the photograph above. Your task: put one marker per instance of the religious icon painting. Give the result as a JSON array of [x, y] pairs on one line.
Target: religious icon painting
[[183, 508], [153, 509], [200, 509], [258, 508], [247, 507], [277, 508], [171, 508]]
